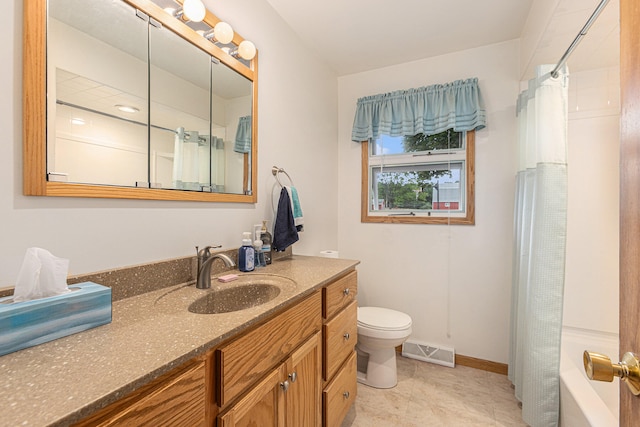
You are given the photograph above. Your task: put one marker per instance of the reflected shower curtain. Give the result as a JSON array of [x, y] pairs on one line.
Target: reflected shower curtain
[[217, 164], [186, 163], [540, 219], [198, 161]]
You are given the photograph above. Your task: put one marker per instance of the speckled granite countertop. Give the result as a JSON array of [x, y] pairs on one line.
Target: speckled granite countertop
[[62, 381]]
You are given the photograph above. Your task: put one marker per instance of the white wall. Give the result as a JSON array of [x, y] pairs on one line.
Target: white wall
[[297, 129], [592, 276], [455, 282]]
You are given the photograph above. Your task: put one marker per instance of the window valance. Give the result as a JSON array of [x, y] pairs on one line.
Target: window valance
[[430, 109]]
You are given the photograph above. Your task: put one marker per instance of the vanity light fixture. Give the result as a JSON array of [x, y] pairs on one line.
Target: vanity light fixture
[[176, 13], [246, 50], [222, 33], [127, 108], [194, 10]]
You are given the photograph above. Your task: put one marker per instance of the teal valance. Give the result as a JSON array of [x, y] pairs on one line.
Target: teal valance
[[429, 109]]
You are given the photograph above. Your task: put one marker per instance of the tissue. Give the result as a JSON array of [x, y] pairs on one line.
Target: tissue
[[41, 275]]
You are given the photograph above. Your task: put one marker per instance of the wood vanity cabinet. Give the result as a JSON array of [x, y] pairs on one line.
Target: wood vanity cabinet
[[296, 369], [288, 394], [339, 334], [316, 383]]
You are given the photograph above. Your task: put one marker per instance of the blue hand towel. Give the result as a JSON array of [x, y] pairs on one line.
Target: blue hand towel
[[284, 231], [296, 208]]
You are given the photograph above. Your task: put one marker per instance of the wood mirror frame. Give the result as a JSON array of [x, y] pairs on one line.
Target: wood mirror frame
[[35, 181]]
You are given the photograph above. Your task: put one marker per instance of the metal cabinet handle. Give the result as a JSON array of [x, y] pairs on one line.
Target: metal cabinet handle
[[346, 395], [293, 377], [284, 386], [346, 336], [346, 292]]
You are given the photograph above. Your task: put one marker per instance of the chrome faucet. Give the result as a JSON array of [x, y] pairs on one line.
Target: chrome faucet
[[205, 259]]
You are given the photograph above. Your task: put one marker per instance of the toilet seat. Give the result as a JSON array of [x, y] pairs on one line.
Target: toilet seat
[[383, 319]]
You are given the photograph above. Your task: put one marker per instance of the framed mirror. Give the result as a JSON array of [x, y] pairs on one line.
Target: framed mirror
[[123, 100]]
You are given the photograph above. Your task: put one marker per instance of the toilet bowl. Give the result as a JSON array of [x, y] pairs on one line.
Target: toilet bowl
[[380, 331]]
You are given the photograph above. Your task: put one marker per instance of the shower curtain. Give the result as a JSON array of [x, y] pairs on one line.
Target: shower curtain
[[540, 218]]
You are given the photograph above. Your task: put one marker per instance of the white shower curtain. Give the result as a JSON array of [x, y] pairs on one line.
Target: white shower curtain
[[540, 219]]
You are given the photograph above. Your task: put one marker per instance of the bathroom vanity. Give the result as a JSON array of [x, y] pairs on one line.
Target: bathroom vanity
[[287, 362]]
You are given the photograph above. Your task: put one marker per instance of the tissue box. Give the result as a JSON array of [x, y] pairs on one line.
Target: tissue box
[[28, 323]]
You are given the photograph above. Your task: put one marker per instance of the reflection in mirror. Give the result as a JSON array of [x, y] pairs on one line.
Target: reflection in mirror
[[97, 109], [181, 111], [135, 98]]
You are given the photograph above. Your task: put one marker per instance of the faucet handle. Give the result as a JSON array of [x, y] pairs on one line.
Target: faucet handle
[[206, 251]]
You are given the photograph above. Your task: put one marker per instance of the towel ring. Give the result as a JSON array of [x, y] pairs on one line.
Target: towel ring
[[276, 170]]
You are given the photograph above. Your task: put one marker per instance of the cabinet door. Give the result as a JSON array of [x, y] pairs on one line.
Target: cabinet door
[[303, 397], [262, 406]]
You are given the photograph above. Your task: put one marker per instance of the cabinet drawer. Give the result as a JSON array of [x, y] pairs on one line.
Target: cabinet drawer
[[340, 394], [339, 294], [246, 359], [340, 335], [178, 398]]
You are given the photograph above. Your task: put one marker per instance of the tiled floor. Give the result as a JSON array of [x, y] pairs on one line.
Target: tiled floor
[[434, 395]]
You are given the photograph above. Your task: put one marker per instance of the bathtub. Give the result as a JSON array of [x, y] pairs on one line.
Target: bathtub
[[583, 402]]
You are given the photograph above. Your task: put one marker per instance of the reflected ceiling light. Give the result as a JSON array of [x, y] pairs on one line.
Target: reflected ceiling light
[[77, 121], [194, 10], [127, 108]]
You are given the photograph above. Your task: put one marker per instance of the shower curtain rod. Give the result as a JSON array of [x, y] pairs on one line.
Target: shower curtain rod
[[111, 116], [579, 37]]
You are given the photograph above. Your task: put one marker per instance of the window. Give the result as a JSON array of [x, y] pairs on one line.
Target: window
[[419, 179]]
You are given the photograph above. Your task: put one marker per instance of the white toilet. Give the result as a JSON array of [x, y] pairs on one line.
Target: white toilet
[[380, 331]]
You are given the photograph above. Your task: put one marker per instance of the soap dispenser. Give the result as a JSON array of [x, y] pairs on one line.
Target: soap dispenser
[[259, 260], [266, 238], [246, 253]]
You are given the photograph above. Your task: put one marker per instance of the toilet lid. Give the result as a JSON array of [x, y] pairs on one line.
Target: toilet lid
[[383, 319]]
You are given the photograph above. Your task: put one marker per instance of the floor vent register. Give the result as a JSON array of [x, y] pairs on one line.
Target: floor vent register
[[429, 353]]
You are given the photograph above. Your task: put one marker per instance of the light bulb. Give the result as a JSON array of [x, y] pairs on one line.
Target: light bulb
[[223, 32], [247, 50], [194, 10]]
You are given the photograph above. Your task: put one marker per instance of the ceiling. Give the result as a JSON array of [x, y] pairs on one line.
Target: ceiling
[[353, 36], [599, 48]]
